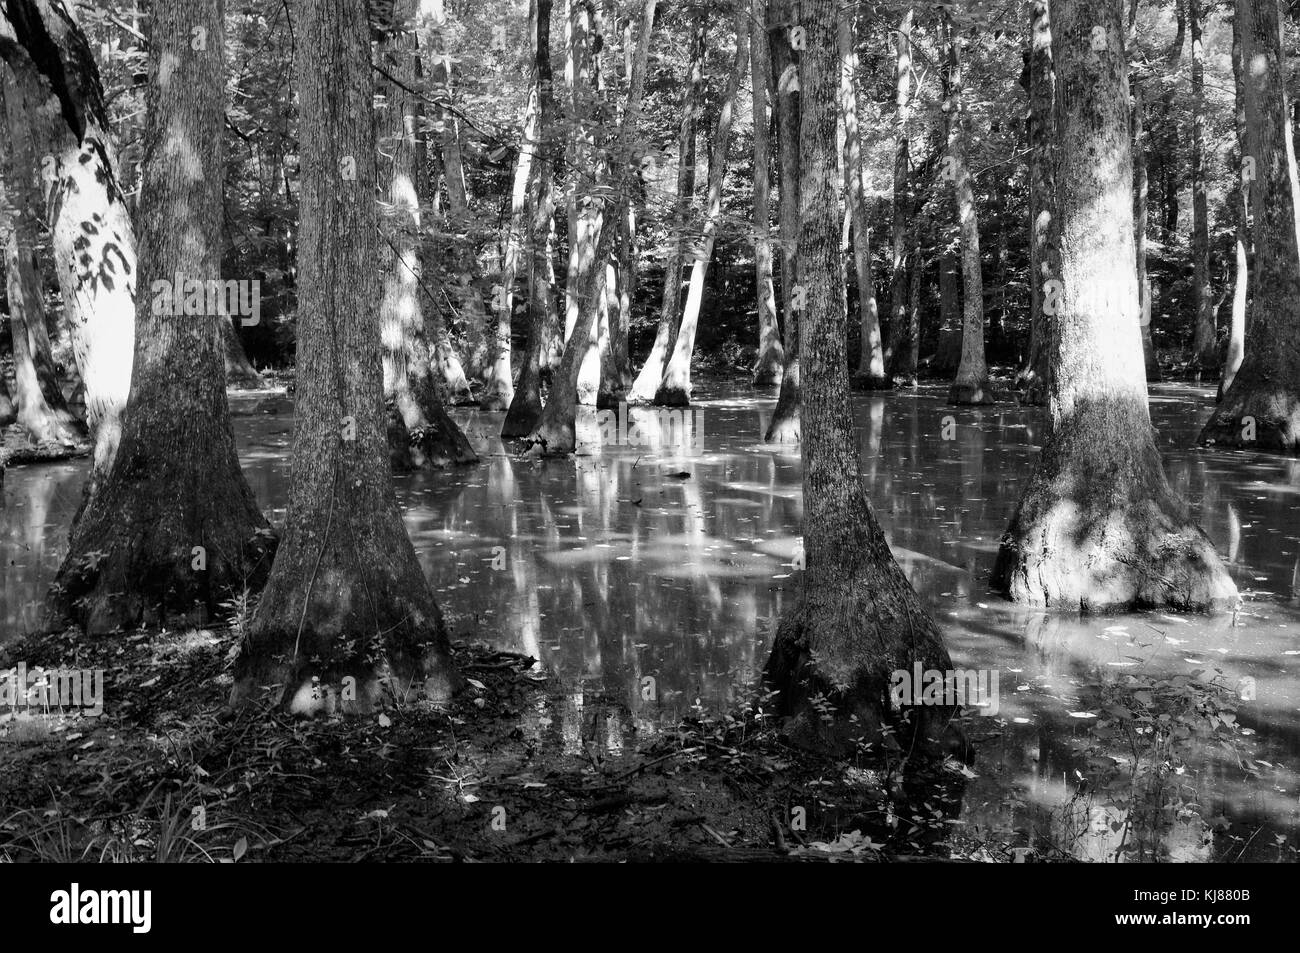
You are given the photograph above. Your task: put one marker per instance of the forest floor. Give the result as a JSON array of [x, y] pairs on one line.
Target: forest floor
[[167, 772]]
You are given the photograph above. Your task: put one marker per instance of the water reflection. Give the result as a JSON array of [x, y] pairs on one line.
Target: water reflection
[[647, 576]]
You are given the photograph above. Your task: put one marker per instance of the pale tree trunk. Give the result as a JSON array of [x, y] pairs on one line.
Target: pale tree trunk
[[474, 343], [1205, 352], [347, 618], [1236, 350], [582, 71], [1098, 527], [421, 433], [1041, 89], [605, 379], [526, 405], [856, 619], [647, 382], [1142, 192], [1261, 410], [173, 530], [86, 211], [499, 389], [556, 430], [771, 355], [896, 328], [41, 408], [675, 389], [972, 383], [782, 16], [626, 282], [870, 374]]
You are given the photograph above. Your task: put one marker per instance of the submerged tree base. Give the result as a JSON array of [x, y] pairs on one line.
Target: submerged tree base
[[868, 381], [1255, 418], [1100, 530], [672, 396], [967, 394]]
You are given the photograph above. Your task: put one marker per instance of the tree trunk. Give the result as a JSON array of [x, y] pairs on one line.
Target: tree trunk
[[1236, 349], [1261, 410], [972, 383], [870, 374], [857, 620], [1041, 88], [555, 433], [782, 15], [90, 226], [1098, 527], [526, 405], [240, 373], [427, 436], [173, 529], [347, 617], [1205, 351], [647, 382], [41, 408], [896, 326], [770, 364], [582, 70], [474, 344], [499, 389], [1151, 359], [675, 388]]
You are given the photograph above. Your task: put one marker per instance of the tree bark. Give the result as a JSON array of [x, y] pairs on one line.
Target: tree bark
[[856, 619], [675, 388], [1261, 410], [972, 383], [173, 529], [647, 382], [347, 598], [782, 15], [1098, 527], [90, 225], [770, 364]]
